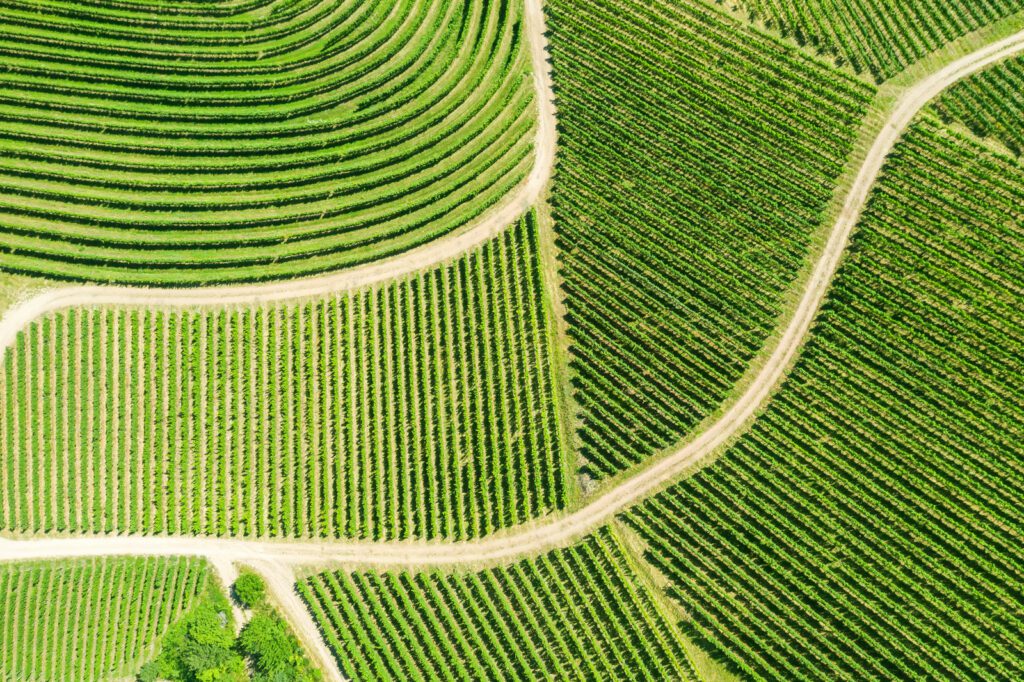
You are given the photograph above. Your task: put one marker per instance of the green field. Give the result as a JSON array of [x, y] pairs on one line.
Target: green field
[[573, 614], [602, 442], [419, 408], [91, 619], [868, 526], [297, 138], [990, 104], [882, 37], [686, 196]]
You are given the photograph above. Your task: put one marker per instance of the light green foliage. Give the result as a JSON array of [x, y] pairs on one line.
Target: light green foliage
[[250, 589], [200, 647], [274, 651], [990, 103], [92, 619], [868, 526], [697, 158], [573, 614], [194, 145], [880, 37], [266, 640], [422, 407]]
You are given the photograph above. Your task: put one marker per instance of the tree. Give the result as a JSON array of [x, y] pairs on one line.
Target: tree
[[250, 590], [212, 663], [274, 651], [199, 648], [266, 640]]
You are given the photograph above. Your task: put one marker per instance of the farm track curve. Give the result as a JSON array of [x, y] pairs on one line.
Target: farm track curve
[[278, 559]]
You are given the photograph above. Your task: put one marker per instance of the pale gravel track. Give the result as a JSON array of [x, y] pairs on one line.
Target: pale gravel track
[[278, 559]]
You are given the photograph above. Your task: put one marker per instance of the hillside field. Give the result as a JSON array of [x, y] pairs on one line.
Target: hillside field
[[151, 148], [990, 105], [435, 340], [579, 613], [697, 158], [420, 408], [868, 525], [879, 38]]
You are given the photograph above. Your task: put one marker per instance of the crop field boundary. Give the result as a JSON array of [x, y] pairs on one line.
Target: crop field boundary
[[417, 259], [279, 559]]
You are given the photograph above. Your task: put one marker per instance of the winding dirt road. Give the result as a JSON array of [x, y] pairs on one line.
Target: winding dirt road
[[279, 559]]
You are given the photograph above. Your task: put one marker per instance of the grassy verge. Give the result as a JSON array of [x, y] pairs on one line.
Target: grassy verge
[[555, 312], [16, 288]]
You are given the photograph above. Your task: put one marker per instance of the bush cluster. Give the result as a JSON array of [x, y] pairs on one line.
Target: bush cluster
[[202, 647]]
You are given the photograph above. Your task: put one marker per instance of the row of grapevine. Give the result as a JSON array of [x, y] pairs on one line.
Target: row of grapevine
[[419, 408], [214, 30], [91, 619], [990, 104], [189, 12], [696, 160], [879, 37], [869, 526], [147, 149], [575, 614]]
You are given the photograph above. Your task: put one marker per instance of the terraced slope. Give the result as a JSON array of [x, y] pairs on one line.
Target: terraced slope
[[990, 104], [419, 408], [91, 619], [579, 613], [193, 146], [696, 160], [869, 526], [879, 37]]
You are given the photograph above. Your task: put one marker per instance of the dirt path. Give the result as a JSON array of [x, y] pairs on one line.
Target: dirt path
[[421, 258], [278, 559], [281, 588]]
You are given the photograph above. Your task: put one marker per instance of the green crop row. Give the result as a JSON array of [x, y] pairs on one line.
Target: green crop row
[[281, 37], [419, 408], [696, 160], [138, 33], [574, 614], [221, 18], [880, 37], [990, 104], [398, 123], [91, 619], [869, 524], [198, 11]]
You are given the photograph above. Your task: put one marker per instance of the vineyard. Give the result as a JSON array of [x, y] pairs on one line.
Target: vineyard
[[423, 407], [91, 619], [869, 524], [881, 37], [574, 614], [163, 145], [990, 104], [696, 159], [589, 431]]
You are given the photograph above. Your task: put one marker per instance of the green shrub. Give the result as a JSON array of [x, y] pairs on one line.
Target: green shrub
[[250, 590], [274, 651], [199, 648]]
